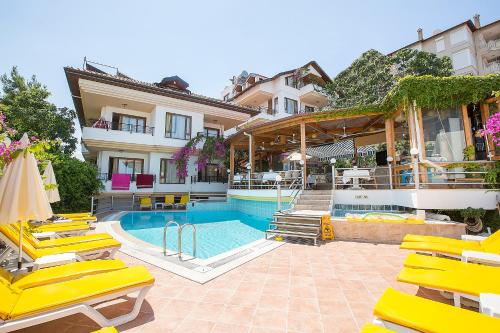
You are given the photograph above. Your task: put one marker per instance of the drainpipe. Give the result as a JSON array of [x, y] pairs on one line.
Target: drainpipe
[[249, 157]]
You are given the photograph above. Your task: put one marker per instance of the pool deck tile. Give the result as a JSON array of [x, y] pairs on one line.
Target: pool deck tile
[[331, 288]]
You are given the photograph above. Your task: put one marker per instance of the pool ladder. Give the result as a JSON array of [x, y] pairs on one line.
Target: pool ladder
[[179, 237]]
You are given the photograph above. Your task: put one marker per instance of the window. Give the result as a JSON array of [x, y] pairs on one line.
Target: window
[[168, 172], [458, 36], [308, 109], [440, 44], [290, 81], [443, 135], [131, 166], [211, 173], [210, 131], [291, 106], [128, 123], [276, 104], [461, 59], [177, 126]]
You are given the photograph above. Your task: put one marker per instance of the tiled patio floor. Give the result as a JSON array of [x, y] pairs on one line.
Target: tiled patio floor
[[295, 288]]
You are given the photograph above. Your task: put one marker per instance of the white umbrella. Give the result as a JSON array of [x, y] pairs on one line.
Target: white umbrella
[[49, 178], [296, 157], [22, 194]]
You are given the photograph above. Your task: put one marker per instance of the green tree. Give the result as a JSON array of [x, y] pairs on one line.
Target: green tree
[[25, 104], [370, 77], [77, 183]]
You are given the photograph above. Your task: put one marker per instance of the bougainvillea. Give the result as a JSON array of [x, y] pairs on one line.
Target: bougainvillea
[[10, 148], [213, 148], [492, 127]]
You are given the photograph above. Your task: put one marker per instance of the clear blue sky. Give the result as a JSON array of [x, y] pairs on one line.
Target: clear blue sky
[[206, 42]]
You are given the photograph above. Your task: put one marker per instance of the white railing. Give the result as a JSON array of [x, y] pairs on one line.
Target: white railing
[[291, 179]]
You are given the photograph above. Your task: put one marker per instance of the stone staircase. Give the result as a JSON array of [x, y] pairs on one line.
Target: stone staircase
[[318, 200]]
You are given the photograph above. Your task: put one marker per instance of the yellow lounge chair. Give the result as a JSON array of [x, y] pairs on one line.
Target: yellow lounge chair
[[22, 308], [468, 282], [400, 312], [60, 229], [370, 328], [169, 201], [453, 241], [415, 260], [182, 202], [41, 244], [59, 273], [454, 247], [145, 203], [83, 251]]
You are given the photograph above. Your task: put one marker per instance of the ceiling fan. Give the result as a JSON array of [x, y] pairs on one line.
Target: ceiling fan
[[292, 140]]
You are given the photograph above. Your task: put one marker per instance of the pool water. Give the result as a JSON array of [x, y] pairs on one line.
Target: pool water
[[216, 231]]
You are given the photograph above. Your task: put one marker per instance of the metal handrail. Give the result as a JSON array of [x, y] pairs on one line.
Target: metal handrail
[[179, 240], [194, 236]]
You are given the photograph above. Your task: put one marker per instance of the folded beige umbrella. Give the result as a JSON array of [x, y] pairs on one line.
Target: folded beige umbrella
[[49, 178], [22, 193]]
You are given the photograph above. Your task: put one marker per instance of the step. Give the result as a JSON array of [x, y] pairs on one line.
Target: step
[[312, 207], [315, 196], [300, 218], [307, 201], [305, 223], [295, 225], [308, 235], [323, 192]]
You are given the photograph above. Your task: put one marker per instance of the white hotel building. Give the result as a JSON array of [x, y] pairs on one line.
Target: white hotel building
[[133, 127]]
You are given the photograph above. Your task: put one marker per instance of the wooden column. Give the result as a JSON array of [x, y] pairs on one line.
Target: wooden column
[[389, 139], [467, 127], [252, 155], [303, 151], [421, 141], [231, 159], [411, 128], [485, 114]]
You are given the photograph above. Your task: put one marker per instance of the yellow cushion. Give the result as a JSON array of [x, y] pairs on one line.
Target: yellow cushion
[[78, 248], [435, 239], [169, 199], [57, 295], [370, 328], [441, 247], [6, 276], [491, 239], [429, 316], [110, 329], [184, 200], [84, 214], [145, 201], [71, 240], [414, 260], [9, 297], [65, 272], [466, 281]]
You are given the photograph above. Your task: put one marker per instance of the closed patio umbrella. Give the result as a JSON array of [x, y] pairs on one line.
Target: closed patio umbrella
[[22, 194], [296, 157], [49, 178]]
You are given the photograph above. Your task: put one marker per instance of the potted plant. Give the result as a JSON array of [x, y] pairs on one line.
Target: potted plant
[[472, 219]]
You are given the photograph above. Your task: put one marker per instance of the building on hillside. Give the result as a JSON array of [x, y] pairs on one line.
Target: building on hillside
[[473, 49], [133, 128], [290, 92]]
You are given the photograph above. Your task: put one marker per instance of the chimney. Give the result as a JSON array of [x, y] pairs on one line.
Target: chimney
[[420, 34], [477, 23]]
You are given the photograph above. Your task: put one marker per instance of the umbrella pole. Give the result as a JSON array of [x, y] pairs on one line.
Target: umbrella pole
[[20, 257]]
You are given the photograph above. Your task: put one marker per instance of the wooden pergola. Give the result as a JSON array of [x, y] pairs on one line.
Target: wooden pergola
[[299, 131]]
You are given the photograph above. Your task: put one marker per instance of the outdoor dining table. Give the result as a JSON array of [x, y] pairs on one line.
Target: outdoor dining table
[[355, 174], [269, 177]]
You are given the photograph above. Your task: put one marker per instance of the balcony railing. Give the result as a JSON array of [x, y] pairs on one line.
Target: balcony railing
[[104, 176], [209, 179], [116, 126], [492, 67]]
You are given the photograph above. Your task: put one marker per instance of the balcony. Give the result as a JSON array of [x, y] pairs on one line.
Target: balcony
[[312, 94], [256, 95], [492, 67]]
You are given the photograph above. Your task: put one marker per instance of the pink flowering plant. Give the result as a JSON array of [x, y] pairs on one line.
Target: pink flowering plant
[[492, 127], [10, 148], [213, 149]]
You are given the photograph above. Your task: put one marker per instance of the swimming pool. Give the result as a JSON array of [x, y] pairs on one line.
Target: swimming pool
[[216, 231]]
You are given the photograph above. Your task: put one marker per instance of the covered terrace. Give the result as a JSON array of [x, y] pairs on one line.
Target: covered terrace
[[429, 142]]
